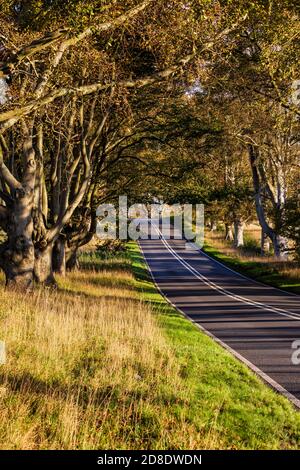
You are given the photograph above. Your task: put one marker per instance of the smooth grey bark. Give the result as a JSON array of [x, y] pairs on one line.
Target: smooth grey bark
[[43, 271], [59, 256], [280, 243], [17, 253], [72, 262], [264, 243], [228, 233], [238, 233], [81, 238]]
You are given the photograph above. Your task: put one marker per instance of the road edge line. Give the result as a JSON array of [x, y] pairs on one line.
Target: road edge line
[[258, 372], [223, 291], [203, 252]]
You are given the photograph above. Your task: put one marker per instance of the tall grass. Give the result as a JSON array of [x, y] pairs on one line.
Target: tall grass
[[85, 371], [285, 269]]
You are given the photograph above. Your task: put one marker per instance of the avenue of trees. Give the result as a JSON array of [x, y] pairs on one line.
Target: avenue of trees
[[194, 101]]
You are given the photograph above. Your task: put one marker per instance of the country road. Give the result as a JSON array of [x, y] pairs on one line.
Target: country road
[[257, 323]]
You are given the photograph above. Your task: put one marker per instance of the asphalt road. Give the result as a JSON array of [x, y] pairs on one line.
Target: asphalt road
[[257, 323]]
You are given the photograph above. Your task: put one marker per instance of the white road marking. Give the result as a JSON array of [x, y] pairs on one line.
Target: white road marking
[[291, 294], [265, 377], [221, 290]]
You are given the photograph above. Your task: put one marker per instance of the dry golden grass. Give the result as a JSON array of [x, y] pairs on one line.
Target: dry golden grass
[[284, 274], [87, 368], [289, 269], [216, 239]]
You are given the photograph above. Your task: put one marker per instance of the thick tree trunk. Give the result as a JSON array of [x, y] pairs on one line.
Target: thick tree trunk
[[43, 272], [238, 233], [17, 253], [280, 245], [228, 232], [72, 260], [264, 244], [279, 242], [59, 256]]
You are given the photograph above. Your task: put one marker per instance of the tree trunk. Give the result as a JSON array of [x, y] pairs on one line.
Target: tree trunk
[[59, 256], [238, 233], [264, 244], [17, 253], [43, 272], [213, 225], [280, 245], [72, 260], [228, 232]]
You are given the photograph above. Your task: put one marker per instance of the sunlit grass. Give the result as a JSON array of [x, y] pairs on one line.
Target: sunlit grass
[[280, 273], [86, 371]]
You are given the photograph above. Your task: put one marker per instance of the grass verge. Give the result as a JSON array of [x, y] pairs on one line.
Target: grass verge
[[281, 274], [224, 401]]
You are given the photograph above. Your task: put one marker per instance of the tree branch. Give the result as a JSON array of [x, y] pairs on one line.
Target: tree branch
[[7, 176], [54, 36]]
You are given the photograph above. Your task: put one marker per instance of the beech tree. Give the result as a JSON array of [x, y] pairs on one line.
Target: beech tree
[[75, 75], [27, 248], [251, 91], [47, 181]]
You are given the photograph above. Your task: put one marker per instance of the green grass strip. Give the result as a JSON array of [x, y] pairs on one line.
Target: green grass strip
[[222, 399]]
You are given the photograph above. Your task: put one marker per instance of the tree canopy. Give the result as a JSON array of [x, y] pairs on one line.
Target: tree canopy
[[191, 101]]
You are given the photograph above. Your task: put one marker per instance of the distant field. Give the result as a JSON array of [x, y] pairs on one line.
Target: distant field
[[105, 363]]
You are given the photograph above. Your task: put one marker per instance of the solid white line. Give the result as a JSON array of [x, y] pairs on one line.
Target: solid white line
[[275, 385], [242, 275], [221, 290]]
